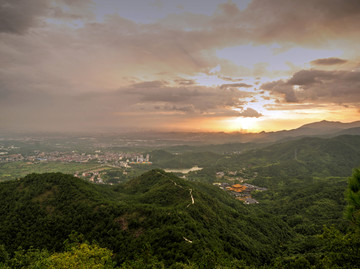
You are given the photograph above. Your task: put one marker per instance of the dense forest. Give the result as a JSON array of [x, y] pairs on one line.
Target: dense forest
[[159, 220]]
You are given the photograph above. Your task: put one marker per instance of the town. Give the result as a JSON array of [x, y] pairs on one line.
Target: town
[[116, 159], [109, 167]]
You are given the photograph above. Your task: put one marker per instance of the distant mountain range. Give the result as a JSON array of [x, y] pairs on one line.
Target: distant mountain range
[[321, 128], [151, 139], [330, 125]]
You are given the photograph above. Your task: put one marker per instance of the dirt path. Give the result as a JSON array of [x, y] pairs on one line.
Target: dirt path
[[192, 198]]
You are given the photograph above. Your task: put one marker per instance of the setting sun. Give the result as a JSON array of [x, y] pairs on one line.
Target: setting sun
[[240, 124]]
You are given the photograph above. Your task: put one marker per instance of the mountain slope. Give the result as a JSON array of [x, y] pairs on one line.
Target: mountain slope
[[176, 220], [321, 128], [330, 125], [165, 159], [350, 131], [335, 156]]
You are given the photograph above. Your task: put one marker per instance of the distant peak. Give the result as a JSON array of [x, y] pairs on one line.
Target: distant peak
[[323, 123]]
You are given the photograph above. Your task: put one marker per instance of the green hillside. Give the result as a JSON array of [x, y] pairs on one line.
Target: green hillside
[[172, 219], [164, 159], [310, 156], [217, 148]]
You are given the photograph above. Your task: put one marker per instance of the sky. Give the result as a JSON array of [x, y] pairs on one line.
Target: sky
[[179, 65]]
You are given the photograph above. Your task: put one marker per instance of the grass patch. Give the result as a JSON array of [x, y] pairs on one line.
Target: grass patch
[[15, 170]]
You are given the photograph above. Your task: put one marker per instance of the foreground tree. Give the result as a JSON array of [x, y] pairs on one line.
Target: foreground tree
[[78, 256], [83, 256], [353, 198]]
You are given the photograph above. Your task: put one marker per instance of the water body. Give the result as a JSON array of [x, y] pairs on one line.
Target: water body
[[184, 171]]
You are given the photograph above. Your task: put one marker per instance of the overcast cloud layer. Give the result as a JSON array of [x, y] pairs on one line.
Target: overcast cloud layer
[[186, 65]]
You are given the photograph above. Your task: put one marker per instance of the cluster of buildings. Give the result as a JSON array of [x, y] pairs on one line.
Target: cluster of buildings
[[118, 159], [7, 148], [5, 157], [241, 192], [141, 160], [93, 176], [240, 175]]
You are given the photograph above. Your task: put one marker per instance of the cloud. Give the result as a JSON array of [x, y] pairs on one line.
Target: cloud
[[181, 81], [281, 87], [133, 49], [296, 22], [18, 16], [120, 71], [201, 99], [329, 61], [226, 78], [304, 21], [145, 104], [235, 85], [318, 86], [294, 106], [250, 113], [149, 84]]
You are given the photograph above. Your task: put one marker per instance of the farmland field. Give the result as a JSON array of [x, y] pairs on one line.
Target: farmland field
[[15, 170]]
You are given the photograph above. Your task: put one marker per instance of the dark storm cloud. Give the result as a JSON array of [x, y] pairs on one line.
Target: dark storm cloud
[[329, 61], [319, 86]]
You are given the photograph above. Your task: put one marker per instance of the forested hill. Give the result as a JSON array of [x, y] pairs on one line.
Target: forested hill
[[165, 159], [313, 156], [157, 214]]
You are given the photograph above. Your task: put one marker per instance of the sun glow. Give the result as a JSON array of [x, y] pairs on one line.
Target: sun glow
[[241, 124]]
